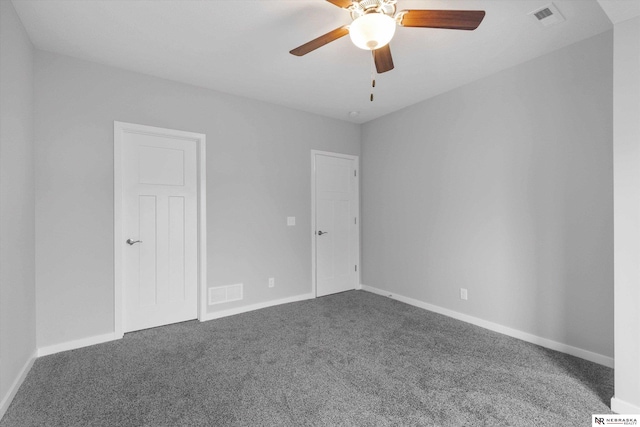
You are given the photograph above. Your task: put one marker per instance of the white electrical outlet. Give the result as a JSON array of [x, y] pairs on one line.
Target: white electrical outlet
[[291, 220], [463, 294], [272, 282]]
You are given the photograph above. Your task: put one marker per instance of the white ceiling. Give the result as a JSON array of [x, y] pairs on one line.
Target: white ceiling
[[242, 47], [620, 10]]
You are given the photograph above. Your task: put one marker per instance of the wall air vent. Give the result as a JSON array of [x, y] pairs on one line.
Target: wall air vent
[[221, 294], [548, 15]]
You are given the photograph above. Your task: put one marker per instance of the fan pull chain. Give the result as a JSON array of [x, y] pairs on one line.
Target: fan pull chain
[[373, 76]]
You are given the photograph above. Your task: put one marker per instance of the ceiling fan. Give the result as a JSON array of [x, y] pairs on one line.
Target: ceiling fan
[[374, 24]]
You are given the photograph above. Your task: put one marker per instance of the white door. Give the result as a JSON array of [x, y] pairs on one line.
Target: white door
[[160, 223], [336, 223]]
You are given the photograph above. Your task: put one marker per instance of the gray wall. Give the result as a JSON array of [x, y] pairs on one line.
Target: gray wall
[[627, 214], [504, 187], [17, 240], [258, 173]]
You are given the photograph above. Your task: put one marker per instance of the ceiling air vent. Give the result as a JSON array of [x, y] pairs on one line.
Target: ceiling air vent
[[548, 15]]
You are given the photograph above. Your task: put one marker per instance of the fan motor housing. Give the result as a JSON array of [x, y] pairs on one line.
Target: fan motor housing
[[362, 7]]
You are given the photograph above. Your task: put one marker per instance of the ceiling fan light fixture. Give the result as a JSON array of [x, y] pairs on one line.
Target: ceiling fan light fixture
[[372, 31]]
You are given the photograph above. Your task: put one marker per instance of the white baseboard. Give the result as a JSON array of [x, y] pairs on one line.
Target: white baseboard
[[11, 393], [99, 339], [621, 407], [515, 333], [72, 345], [252, 307]]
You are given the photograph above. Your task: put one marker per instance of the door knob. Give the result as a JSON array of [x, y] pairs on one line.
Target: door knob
[[133, 242], [320, 233]]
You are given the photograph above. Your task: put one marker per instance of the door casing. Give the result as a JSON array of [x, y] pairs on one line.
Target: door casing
[[119, 129], [356, 166]]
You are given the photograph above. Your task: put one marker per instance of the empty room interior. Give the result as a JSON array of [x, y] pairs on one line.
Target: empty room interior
[[367, 212]]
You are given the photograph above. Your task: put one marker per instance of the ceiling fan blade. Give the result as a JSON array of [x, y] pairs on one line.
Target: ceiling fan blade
[[320, 41], [341, 3], [383, 60], [449, 19]]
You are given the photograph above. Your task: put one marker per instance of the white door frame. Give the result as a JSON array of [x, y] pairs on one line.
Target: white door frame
[[356, 165], [119, 128]]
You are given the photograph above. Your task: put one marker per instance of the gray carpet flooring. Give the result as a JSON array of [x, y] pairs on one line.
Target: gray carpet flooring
[[355, 359]]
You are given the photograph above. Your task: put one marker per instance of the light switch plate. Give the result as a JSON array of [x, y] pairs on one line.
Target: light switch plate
[[291, 220]]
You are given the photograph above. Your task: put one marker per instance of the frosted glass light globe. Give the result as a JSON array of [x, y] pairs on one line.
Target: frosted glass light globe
[[372, 31]]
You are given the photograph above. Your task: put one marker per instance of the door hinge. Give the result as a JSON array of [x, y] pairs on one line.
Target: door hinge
[[356, 268], [355, 173], [355, 220]]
